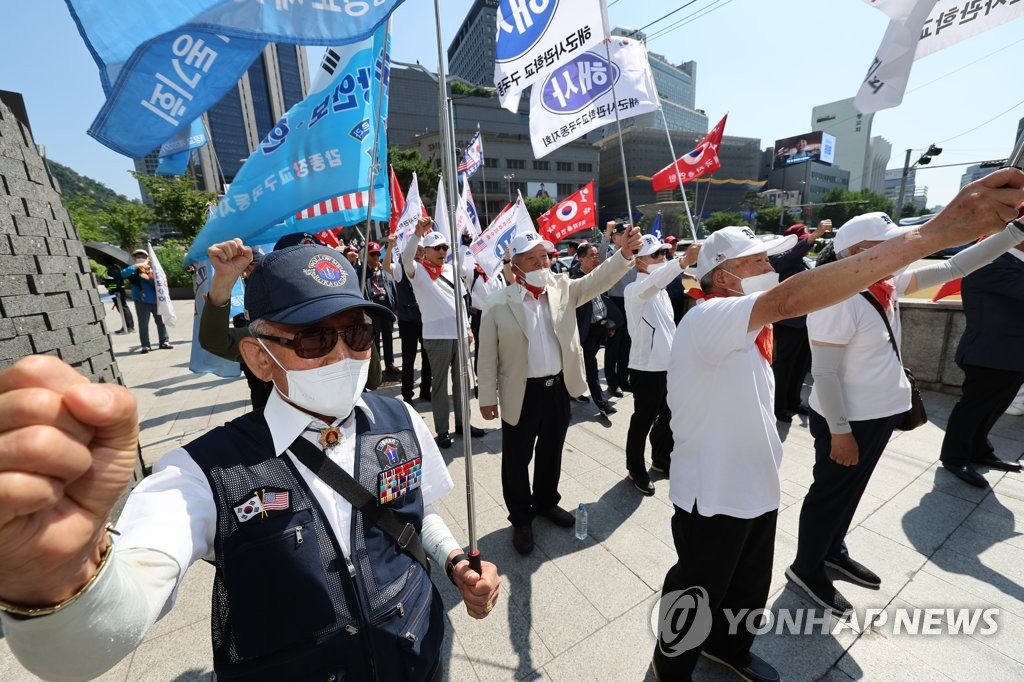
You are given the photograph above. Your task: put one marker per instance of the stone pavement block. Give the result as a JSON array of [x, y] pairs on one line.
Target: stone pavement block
[[996, 575], [641, 552], [984, 529], [876, 657], [794, 653], [894, 563], [621, 650], [192, 607], [919, 517], [611, 586], [457, 663], [1010, 486], [785, 552], [185, 655], [575, 462]]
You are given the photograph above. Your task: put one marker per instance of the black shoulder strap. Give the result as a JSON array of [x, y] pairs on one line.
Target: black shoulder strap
[[404, 534], [885, 319]]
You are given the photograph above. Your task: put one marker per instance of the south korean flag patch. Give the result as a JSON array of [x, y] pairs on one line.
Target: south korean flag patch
[[249, 509]]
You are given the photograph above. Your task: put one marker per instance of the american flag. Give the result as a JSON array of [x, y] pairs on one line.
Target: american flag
[[340, 203], [275, 500], [473, 158]]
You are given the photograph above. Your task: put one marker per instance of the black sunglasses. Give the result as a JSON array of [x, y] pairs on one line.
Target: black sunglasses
[[316, 342], [439, 247]]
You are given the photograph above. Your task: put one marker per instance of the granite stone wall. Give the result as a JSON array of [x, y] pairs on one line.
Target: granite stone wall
[[49, 303]]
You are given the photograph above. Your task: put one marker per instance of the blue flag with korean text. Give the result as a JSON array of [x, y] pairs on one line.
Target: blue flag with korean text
[[656, 226], [322, 148], [162, 64], [174, 154]]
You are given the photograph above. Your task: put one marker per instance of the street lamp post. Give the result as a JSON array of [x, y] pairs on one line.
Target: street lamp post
[[925, 159], [509, 177]]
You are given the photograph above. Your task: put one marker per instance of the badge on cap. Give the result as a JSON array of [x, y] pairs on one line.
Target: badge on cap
[[325, 270], [398, 482], [262, 503]]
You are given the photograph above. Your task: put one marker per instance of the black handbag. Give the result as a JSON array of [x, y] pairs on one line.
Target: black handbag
[[916, 415]]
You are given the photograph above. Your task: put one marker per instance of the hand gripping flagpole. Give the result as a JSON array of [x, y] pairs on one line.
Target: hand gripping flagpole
[[448, 168], [374, 163], [679, 176]]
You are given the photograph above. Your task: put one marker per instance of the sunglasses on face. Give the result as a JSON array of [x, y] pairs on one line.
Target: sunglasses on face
[[439, 247], [316, 342]]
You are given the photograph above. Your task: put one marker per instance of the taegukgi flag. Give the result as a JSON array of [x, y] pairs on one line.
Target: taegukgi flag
[[321, 149], [162, 64], [570, 215], [703, 159], [534, 36], [585, 92]]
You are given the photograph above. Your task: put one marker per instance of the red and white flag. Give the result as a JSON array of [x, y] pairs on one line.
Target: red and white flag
[[574, 213], [703, 159], [397, 201]]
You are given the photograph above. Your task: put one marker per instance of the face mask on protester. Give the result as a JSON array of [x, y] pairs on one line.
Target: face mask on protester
[[752, 285], [535, 278], [331, 390]]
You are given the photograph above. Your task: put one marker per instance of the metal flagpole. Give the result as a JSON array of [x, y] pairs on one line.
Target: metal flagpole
[[618, 126], [679, 176], [483, 170], [448, 167], [374, 163]]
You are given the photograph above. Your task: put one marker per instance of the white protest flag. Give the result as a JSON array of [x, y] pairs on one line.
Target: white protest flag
[[534, 36], [947, 25], [524, 223], [886, 80], [164, 307], [467, 221], [441, 215], [488, 249], [412, 212], [576, 97]]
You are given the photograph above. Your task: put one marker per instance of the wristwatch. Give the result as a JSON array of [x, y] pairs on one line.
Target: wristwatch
[[449, 566]]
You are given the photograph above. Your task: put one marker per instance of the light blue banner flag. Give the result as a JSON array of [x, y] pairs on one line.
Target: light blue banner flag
[[322, 148], [163, 64], [174, 154], [656, 226]]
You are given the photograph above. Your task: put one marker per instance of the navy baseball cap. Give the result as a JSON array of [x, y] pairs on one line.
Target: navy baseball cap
[[300, 285], [296, 238]]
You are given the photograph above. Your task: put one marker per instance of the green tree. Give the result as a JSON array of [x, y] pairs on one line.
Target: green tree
[[172, 258], [768, 219], [720, 219], [841, 205], [89, 219], [177, 202], [127, 222], [408, 161], [538, 206]]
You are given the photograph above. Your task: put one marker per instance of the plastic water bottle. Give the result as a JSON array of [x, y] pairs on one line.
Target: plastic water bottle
[[581, 522]]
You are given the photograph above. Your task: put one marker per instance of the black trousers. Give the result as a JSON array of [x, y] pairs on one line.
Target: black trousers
[[384, 332], [987, 394], [835, 492], [474, 326], [590, 345], [792, 362], [410, 332], [731, 559], [616, 351], [650, 416], [541, 429]]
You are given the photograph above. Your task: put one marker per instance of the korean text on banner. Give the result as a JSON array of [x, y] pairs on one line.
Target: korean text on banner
[[574, 213], [703, 159], [489, 248], [576, 97], [534, 36], [319, 150], [947, 25], [887, 77], [162, 64], [164, 307]]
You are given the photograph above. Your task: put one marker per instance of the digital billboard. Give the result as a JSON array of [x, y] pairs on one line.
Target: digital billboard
[[817, 146], [541, 189]]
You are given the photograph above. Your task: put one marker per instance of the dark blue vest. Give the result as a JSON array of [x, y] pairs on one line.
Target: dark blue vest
[[287, 604]]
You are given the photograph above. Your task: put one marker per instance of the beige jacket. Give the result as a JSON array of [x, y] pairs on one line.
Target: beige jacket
[[502, 355]]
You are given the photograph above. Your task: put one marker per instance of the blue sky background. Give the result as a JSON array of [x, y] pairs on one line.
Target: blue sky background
[[765, 63]]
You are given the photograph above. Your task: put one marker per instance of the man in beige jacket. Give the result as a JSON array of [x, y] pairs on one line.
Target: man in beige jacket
[[531, 363]]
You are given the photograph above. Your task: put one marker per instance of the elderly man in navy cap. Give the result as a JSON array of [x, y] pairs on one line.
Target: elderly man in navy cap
[[316, 511]]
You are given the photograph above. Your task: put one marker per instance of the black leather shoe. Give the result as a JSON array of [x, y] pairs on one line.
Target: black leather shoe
[[855, 571], [559, 517], [166, 346], [522, 538], [444, 440], [757, 670], [642, 483], [616, 392], [606, 409], [474, 432], [144, 349], [582, 399], [822, 593], [993, 462], [967, 474]]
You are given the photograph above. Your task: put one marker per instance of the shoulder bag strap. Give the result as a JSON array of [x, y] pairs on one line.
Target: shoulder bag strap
[[885, 319], [404, 534]]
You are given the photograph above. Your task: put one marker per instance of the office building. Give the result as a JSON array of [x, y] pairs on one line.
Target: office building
[[864, 156], [912, 193], [811, 180], [976, 172], [471, 52]]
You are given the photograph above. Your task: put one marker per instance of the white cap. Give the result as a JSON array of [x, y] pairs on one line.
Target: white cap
[[527, 241], [650, 245], [870, 227], [142, 251], [737, 241], [432, 239]]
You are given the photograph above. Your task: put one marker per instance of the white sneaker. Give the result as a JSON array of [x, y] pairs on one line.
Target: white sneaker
[[1015, 409]]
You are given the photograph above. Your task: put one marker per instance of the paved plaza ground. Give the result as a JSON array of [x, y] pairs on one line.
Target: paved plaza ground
[[580, 610]]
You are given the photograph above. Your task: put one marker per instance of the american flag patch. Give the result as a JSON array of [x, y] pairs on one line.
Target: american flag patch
[[273, 500]]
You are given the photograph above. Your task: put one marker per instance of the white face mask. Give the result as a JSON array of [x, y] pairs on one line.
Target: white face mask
[[752, 285], [331, 390], [653, 267], [535, 278]]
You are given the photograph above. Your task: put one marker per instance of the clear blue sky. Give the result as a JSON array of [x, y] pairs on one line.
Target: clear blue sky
[[765, 63]]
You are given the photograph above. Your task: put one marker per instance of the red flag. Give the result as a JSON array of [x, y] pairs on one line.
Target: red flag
[[329, 237], [397, 201], [703, 159], [950, 288], [570, 215]]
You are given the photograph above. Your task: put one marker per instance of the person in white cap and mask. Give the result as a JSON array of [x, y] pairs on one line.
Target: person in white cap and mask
[[724, 481], [530, 364], [860, 393], [651, 326]]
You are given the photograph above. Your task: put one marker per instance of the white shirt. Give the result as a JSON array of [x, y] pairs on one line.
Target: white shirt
[[650, 319], [481, 289], [544, 357], [437, 303], [870, 374], [727, 449]]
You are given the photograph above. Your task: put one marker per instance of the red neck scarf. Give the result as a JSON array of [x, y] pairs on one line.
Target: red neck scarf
[[883, 290], [536, 291], [765, 338], [433, 270]]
